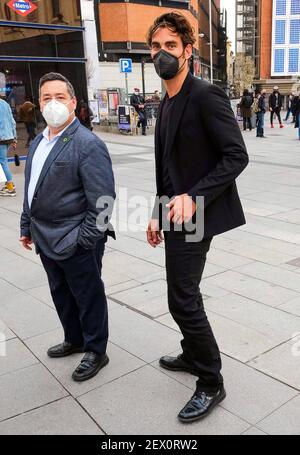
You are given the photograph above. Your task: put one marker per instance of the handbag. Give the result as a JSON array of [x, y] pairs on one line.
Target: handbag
[[2, 175]]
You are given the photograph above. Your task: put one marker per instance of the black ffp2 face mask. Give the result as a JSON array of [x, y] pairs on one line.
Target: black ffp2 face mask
[[166, 65]]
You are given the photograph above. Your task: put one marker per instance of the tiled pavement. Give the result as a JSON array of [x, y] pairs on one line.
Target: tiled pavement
[[252, 295]]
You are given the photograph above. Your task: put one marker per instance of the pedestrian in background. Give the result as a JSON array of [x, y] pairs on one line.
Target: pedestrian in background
[[8, 137], [85, 115], [138, 102], [246, 112], [289, 107], [27, 116], [275, 106], [294, 106], [297, 113], [261, 110]]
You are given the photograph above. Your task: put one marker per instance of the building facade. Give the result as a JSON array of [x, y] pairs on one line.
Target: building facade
[[123, 26], [37, 37], [273, 42]]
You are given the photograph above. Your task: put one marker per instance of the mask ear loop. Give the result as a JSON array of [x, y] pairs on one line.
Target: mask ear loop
[[183, 62]]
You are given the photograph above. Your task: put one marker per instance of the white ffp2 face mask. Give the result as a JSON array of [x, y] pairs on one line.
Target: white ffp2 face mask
[[56, 114]]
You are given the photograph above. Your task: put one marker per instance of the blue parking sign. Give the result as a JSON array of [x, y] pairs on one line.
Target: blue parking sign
[[125, 65]]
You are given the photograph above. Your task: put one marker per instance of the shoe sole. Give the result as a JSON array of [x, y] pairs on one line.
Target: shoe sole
[[91, 375], [75, 351], [8, 195], [185, 370], [194, 419]]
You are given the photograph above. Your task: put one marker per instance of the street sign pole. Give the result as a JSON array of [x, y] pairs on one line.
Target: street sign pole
[[126, 87]]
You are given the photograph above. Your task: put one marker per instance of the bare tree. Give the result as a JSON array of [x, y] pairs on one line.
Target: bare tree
[[244, 73]]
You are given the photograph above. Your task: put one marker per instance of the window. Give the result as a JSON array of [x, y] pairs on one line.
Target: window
[[281, 8], [279, 61], [293, 60], [295, 6], [280, 32], [295, 31]]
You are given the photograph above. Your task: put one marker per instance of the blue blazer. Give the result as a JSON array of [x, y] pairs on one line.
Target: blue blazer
[[66, 209]]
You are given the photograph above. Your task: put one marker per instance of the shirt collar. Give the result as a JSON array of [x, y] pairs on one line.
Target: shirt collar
[[46, 132]]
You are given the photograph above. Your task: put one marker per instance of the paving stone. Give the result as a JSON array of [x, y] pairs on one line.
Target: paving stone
[[111, 405], [284, 421], [282, 362], [17, 357], [30, 388], [270, 322], [63, 417], [121, 362], [252, 288], [141, 336], [251, 395]]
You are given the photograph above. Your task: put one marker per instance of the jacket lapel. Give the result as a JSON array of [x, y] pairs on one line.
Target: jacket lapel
[[177, 112], [157, 130], [62, 141]]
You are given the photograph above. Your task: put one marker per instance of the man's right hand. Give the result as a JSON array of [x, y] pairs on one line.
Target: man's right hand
[[154, 234], [26, 241]]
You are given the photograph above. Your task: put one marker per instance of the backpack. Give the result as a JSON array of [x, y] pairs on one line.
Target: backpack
[[255, 107], [247, 101]]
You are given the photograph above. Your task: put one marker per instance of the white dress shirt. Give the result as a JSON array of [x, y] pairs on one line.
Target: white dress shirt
[[41, 154]]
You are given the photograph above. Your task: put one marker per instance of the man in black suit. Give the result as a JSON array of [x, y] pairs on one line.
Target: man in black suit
[[199, 152], [275, 106], [138, 102]]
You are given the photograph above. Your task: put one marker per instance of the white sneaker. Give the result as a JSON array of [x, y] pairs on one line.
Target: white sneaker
[[8, 193]]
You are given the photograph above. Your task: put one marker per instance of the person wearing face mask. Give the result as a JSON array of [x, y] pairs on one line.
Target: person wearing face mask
[[275, 106], [138, 102], [199, 152], [68, 201]]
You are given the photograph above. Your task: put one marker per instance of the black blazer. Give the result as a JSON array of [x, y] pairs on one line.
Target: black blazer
[[272, 101], [205, 153], [135, 101]]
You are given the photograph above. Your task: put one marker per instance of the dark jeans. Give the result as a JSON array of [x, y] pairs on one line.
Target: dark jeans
[[30, 127], [79, 297], [142, 121], [185, 263], [245, 121], [277, 112], [260, 124]]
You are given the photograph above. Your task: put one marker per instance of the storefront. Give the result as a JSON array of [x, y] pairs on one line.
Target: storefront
[[37, 37]]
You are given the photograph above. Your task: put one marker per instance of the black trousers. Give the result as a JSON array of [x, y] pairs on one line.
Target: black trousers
[[30, 127], [275, 111], [79, 297], [142, 121], [247, 120], [185, 263]]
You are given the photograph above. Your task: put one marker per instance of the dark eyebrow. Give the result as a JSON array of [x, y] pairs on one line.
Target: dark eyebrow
[[56, 94], [167, 43]]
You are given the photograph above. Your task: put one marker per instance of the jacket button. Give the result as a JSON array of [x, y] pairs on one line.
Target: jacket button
[[32, 218]]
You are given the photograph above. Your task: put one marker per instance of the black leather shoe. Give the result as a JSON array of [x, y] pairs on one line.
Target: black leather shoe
[[89, 366], [176, 364], [200, 405], [63, 349]]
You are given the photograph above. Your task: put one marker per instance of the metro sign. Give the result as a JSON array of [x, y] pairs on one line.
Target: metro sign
[[22, 7]]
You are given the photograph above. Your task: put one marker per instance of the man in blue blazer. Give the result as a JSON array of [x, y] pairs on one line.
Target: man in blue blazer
[[68, 201]]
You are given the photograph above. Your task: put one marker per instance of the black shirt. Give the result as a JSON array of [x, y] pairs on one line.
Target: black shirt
[[167, 186]]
